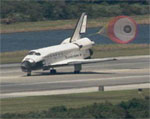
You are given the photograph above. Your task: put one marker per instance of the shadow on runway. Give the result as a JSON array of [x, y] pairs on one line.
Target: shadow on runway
[[65, 73]]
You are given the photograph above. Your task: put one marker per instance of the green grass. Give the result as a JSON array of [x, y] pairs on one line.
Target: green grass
[[12, 57], [100, 51], [61, 24], [28, 104], [115, 50]]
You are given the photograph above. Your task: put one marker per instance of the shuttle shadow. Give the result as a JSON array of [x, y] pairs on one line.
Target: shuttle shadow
[[68, 73]]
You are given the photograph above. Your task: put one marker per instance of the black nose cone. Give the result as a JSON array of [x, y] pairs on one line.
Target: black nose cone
[[26, 66]]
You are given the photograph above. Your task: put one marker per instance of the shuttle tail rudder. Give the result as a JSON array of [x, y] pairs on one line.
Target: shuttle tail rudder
[[80, 28]]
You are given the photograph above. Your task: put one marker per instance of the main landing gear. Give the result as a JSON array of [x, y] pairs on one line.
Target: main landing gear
[[29, 73], [52, 71], [77, 68]]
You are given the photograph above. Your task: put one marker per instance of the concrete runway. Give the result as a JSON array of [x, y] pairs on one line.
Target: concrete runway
[[126, 70]]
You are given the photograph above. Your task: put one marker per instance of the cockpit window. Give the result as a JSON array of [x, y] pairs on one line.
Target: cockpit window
[[37, 54], [34, 53], [31, 53]]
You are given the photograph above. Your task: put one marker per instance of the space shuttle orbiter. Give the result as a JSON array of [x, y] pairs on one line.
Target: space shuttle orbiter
[[72, 51]]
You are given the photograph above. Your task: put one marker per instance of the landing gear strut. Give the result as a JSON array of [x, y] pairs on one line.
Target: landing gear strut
[[53, 71], [77, 68], [29, 73]]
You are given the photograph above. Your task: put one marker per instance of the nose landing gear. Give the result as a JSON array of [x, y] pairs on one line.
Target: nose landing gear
[[26, 67]]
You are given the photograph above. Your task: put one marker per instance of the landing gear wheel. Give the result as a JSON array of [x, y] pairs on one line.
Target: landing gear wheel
[[28, 73], [77, 68], [76, 72], [53, 71]]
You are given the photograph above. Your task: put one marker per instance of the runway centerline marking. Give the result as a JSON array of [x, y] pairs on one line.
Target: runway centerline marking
[[74, 81]]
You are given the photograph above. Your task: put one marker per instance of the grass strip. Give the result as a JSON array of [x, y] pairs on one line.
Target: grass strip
[[12, 57], [39, 103], [62, 24], [100, 51], [115, 50]]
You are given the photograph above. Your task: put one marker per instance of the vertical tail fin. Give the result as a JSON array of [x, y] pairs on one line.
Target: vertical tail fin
[[80, 27]]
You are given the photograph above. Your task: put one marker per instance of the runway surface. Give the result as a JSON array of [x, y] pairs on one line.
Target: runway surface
[[126, 70]]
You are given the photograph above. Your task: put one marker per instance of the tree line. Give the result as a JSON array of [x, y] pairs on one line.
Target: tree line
[[132, 109], [39, 10]]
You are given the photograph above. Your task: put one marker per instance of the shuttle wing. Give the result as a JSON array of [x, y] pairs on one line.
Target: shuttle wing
[[81, 61]]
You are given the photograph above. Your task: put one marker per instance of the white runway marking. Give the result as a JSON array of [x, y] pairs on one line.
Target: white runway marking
[[74, 81], [49, 92]]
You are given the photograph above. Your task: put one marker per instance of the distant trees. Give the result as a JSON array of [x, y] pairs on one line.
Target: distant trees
[[37, 10], [136, 108], [132, 109]]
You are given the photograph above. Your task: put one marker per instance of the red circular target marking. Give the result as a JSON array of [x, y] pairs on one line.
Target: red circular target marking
[[122, 29]]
